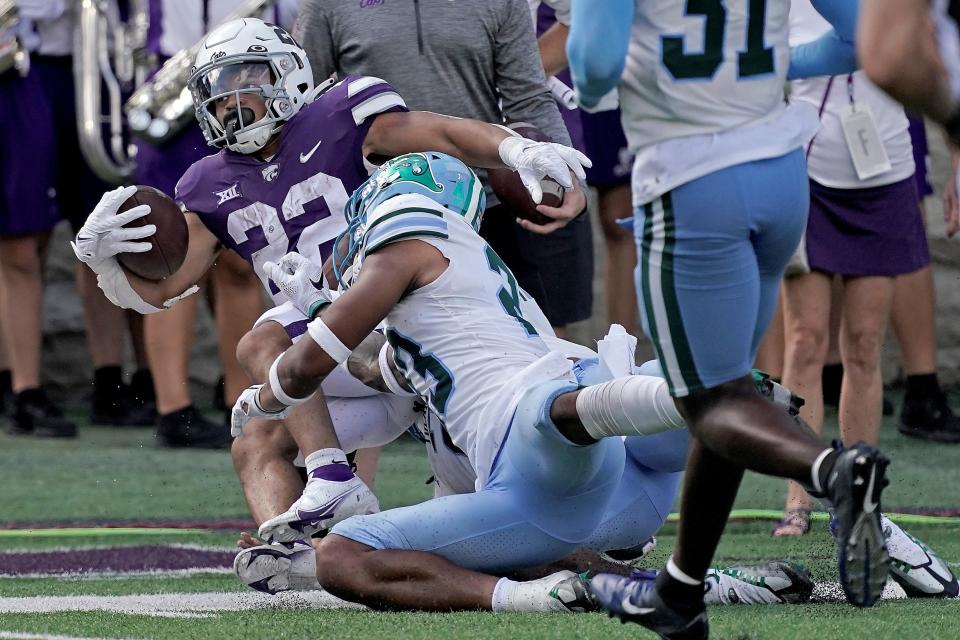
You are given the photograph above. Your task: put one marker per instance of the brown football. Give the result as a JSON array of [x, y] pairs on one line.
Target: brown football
[[169, 242], [508, 187]]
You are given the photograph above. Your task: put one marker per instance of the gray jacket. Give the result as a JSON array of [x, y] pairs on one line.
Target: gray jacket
[[466, 58]]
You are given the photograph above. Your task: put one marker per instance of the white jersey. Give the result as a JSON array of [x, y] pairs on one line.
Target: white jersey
[[462, 341], [711, 79], [828, 160]]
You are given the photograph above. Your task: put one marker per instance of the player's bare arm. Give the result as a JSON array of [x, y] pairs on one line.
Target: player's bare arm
[[897, 45], [385, 277], [485, 145], [104, 236], [202, 250]]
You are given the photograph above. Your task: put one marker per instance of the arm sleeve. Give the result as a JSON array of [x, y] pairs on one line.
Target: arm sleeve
[[597, 46], [834, 52], [313, 32], [519, 74]]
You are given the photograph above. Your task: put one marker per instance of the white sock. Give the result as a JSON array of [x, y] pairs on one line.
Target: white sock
[[323, 457], [677, 574], [628, 406], [501, 595]]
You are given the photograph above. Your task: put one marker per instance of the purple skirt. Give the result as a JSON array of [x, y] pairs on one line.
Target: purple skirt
[[606, 146], [876, 231]]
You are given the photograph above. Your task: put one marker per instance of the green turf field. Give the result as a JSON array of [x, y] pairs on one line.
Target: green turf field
[[113, 475]]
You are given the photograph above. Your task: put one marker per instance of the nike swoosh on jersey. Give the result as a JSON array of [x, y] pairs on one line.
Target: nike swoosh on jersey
[[306, 156], [628, 607]]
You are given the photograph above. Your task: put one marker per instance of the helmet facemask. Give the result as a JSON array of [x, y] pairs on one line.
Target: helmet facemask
[[263, 74]]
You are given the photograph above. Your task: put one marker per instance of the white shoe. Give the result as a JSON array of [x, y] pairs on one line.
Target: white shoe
[[777, 582], [272, 568], [560, 592], [915, 567], [323, 504]]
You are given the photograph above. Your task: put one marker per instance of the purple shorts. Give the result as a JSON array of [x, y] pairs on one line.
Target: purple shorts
[[866, 232], [921, 155], [160, 166], [606, 146], [28, 202], [78, 188]]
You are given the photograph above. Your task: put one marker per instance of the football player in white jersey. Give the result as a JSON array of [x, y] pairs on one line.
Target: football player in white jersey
[[549, 478], [721, 196], [289, 155]]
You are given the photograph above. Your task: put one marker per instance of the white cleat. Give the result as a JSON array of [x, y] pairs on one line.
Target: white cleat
[[777, 582], [323, 504], [916, 567], [272, 568], [560, 592]]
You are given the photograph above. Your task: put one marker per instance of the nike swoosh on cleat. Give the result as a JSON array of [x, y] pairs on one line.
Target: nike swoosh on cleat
[[628, 607], [306, 156], [869, 505]]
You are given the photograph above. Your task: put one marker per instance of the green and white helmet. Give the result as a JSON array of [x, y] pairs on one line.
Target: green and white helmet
[[442, 178]]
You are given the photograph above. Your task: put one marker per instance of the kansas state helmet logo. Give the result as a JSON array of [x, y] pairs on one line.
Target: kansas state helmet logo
[[270, 172]]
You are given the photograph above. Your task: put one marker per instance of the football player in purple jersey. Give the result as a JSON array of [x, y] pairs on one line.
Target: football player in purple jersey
[[290, 154]]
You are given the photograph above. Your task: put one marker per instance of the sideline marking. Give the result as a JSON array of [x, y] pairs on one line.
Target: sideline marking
[[189, 605], [737, 514], [19, 635]]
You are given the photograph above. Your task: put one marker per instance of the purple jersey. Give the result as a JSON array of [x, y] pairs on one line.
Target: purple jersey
[[294, 202]]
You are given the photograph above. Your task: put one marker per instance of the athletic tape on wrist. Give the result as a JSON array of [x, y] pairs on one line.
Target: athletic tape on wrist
[[112, 280], [386, 372], [278, 391], [328, 341]]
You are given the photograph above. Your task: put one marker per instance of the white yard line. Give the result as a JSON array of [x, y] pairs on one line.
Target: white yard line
[[94, 575], [176, 604], [19, 635]]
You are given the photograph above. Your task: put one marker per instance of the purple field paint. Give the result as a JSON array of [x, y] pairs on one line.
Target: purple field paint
[[239, 524], [119, 559]]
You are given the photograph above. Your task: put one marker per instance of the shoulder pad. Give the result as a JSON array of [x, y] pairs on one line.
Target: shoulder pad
[[403, 217]]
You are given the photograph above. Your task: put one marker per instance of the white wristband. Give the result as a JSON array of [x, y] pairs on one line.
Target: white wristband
[[328, 341], [386, 372], [277, 389]]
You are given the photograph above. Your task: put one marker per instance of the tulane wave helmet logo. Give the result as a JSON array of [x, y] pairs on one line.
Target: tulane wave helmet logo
[[412, 167]]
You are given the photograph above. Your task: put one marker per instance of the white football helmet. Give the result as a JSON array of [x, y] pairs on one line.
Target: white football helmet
[[249, 56]]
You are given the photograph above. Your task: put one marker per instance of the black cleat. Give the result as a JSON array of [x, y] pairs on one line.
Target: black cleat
[[187, 428], [635, 599], [854, 485], [34, 414], [121, 409], [929, 419]]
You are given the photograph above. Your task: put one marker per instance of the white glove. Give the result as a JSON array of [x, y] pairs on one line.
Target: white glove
[[537, 160], [301, 281], [102, 236], [247, 407]]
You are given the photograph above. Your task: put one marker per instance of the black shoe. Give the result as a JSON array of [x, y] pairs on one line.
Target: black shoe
[[637, 599], [220, 395], [854, 485], [122, 410], [34, 414], [929, 419], [188, 428], [6, 393]]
